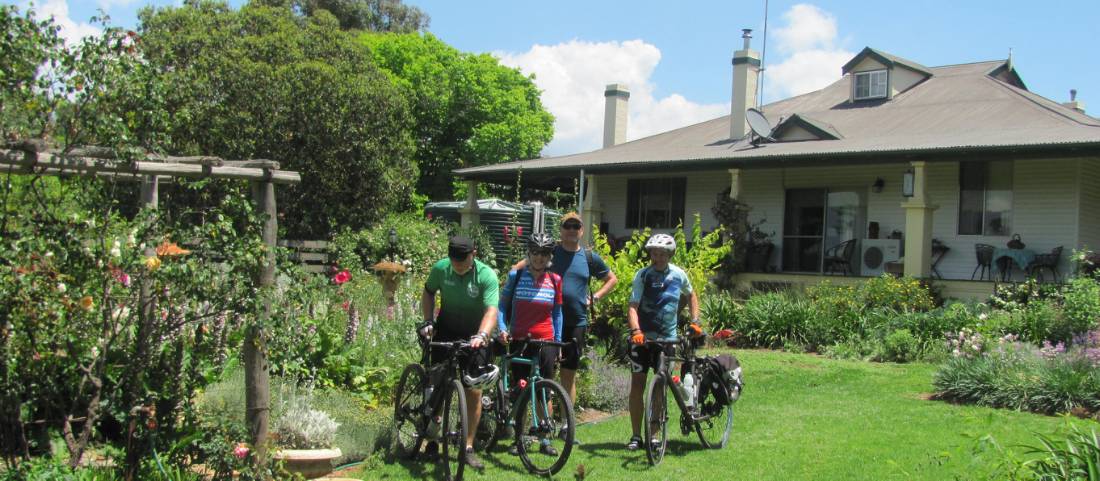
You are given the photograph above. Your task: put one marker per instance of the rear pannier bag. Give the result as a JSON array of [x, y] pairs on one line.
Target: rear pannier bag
[[723, 377]]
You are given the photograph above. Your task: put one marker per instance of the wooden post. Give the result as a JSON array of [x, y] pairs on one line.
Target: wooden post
[[257, 381], [918, 225]]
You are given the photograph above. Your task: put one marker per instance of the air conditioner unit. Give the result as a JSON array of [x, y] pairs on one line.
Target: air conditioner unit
[[875, 253]]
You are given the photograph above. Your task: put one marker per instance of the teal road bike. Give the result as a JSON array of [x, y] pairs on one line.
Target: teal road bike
[[536, 412]]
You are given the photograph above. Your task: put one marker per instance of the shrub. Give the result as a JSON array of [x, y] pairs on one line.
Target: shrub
[[1080, 306], [1020, 376], [774, 319], [302, 427], [901, 346], [900, 294], [420, 243], [1077, 457], [698, 261], [720, 310], [602, 384]]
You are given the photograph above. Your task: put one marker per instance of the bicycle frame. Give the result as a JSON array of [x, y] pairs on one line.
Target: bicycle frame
[[536, 375], [664, 361], [449, 370]]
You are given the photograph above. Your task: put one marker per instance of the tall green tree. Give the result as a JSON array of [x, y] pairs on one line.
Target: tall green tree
[[469, 109], [264, 82], [372, 15]]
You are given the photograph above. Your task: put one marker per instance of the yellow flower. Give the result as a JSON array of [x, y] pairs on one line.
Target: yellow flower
[[87, 303], [152, 263]]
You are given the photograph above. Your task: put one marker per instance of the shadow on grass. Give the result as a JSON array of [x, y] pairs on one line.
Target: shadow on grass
[[421, 467]]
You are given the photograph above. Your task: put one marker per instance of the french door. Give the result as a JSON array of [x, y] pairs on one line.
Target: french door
[[815, 220]]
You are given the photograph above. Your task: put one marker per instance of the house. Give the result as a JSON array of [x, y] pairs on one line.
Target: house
[[953, 156]]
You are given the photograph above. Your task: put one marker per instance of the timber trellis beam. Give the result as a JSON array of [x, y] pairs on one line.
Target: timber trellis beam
[[35, 157], [97, 161]]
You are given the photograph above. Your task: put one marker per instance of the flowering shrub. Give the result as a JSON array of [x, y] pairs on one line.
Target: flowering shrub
[[420, 243], [602, 385], [966, 343], [1051, 379]]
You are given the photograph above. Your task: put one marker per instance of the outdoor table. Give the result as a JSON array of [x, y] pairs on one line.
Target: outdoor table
[[1022, 258]]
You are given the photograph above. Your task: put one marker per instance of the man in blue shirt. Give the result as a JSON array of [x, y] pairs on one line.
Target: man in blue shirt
[[654, 307]]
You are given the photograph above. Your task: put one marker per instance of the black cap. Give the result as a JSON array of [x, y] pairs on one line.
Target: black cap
[[460, 246]]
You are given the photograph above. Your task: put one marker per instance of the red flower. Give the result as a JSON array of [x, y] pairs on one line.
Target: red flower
[[346, 304], [519, 231], [341, 277], [429, 216], [506, 239], [723, 334]]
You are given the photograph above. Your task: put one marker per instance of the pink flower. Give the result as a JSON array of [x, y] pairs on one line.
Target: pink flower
[[341, 277], [429, 216], [506, 238], [346, 304], [519, 231], [241, 450]]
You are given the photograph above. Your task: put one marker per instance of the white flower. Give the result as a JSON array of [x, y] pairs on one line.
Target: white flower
[[49, 253], [121, 312], [956, 353], [61, 287], [116, 249], [983, 316], [132, 238]]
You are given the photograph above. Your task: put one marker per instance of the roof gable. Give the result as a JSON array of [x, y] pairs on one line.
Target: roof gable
[[795, 128], [885, 59]]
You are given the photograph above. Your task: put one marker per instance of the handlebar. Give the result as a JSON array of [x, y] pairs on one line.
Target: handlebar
[[453, 345], [543, 342]]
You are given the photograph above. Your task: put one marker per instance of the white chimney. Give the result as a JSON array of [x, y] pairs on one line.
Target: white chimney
[[616, 97], [746, 74], [1073, 103]]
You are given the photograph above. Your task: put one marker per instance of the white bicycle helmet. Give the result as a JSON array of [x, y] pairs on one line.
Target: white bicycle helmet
[[661, 241], [484, 377]]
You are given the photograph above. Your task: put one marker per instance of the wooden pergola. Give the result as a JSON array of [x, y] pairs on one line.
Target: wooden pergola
[[35, 157]]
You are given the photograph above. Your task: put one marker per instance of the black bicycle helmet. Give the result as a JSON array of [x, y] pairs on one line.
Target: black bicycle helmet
[[540, 241]]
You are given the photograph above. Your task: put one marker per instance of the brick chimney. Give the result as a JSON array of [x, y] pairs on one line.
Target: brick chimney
[[616, 97], [1073, 103], [746, 74]]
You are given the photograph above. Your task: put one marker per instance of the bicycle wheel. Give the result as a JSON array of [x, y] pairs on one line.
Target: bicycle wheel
[[714, 421], [545, 427], [655, 423], [494, 418], [453, 435], [407, 418]]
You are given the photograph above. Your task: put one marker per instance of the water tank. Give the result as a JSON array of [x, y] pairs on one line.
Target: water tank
[[496, 215]]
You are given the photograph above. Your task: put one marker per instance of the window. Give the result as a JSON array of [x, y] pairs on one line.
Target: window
[[871, 85], [655, 203], [985, 198]]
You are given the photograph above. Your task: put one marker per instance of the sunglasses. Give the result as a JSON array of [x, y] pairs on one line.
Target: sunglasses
[[571, 226]]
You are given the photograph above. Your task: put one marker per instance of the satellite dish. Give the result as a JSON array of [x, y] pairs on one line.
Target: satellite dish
[[759, 125]]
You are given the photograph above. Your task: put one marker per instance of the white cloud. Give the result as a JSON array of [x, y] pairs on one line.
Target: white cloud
[[813, 56], [572, 76], [71, 30], [109, 4]]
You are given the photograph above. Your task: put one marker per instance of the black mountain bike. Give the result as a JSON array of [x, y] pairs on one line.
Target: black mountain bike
[[431, 406], [537, 411], [700, 410]]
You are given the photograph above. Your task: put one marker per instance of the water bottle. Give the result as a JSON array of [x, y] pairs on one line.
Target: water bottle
[[688, 389], [427, 406]]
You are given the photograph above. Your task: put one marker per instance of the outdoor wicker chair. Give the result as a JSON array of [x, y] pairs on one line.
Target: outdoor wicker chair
[[840, 255], [1045, 261], [984, 253]]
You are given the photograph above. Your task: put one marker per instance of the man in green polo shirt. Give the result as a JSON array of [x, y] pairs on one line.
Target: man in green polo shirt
[[468, 310]]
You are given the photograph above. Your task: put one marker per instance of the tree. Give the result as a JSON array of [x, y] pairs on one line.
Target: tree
[[263, 82], [373, 15], [469, 109]]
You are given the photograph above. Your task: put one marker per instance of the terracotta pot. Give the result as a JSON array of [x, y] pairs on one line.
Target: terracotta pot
[[310, 463]]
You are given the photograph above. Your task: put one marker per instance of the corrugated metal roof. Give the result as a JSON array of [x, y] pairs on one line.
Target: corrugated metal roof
[[959, 109]]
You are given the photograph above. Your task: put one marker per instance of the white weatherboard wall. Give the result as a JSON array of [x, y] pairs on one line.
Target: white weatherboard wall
[[1045, 213], [1089, 217], [702, 190], [1055, 202]]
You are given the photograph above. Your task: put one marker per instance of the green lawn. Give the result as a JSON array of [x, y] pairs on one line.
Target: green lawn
[[802, 417]]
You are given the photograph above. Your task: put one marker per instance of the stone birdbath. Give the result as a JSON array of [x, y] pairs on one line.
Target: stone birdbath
[[390, 273]]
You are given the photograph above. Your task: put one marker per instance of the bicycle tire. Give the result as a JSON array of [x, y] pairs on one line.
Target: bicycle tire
[[655, 421], [494, 418], [453, 435], [407, 419], [714, 429], [554, 427]]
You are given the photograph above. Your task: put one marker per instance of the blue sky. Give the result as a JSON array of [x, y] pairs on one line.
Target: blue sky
[[676, 61]]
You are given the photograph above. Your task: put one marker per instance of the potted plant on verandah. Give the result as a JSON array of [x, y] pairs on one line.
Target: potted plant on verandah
[[305, 437]]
